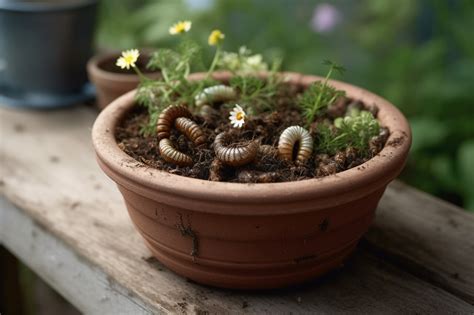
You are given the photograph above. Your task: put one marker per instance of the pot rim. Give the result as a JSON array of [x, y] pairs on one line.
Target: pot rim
[[333, 189], [94, 69], [44, 7]]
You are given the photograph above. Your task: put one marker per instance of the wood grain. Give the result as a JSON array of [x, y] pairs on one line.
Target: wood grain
[[428, 237], [49, 173], [85, 286]]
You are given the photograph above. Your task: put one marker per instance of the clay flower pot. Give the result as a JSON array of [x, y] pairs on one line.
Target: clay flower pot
[[253, 236], [111, 81]]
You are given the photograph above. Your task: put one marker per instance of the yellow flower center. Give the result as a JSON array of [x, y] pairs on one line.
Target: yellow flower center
[[215, 37], [180, 28], [239, 116], [129, 59]]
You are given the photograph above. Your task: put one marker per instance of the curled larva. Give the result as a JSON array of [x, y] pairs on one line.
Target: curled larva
[[295, 135], [236, 154], [191, 130], [216, 93], [167, 118], [171, 155]]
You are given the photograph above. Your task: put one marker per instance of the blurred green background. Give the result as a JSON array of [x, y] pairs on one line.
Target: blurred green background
[[418, 54]]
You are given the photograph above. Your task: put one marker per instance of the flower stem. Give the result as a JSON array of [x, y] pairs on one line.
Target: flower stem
[[328, 75], [214, 62], [317, 104], [140, 74]]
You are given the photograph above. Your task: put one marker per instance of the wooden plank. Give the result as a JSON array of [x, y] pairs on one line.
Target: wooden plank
[[427, 236], [48, 171], [366, 284], [85, 286]]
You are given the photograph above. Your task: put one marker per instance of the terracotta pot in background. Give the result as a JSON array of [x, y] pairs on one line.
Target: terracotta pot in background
[[111, 81], [253, 236]]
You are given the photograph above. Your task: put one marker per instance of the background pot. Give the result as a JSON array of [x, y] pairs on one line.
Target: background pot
[[112, 82], [44, 47], [253, 236]]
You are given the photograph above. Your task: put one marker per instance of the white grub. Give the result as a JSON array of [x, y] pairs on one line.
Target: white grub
[[216, 93], [295, 135]]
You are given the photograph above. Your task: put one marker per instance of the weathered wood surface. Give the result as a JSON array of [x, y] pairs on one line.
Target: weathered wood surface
[[418, 257], [427, 237]]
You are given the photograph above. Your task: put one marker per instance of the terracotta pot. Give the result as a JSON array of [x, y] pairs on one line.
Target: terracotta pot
[[110, 81], [253, 236]]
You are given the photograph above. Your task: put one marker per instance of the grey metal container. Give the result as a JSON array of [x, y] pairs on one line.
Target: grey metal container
[[44, 48]]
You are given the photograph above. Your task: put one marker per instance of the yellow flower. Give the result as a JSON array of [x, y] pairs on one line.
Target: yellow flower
[[237, 117], [215, 38], [180, 27], [128, 59]]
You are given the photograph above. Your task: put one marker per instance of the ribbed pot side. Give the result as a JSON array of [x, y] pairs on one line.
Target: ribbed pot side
[[253, 236]]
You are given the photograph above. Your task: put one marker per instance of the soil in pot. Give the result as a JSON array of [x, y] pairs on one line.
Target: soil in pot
[[266, 127]]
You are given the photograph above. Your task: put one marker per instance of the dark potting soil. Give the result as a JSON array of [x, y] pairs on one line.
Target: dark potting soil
[[266, 127]]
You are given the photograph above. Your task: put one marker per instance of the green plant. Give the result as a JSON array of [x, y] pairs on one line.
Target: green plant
[[320, 95], [242, 62], [329, 140], [360, 128], [354, 130], [256, 94], [175, 66]]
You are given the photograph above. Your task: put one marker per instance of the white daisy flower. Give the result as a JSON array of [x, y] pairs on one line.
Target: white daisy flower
[[180, 27], [128, 59], [237, 117]]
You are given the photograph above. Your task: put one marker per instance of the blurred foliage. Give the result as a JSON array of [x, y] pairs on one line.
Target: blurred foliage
[[419, 54]]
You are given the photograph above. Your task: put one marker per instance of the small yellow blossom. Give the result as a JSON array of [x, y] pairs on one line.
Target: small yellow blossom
[[237, 117], [128, 59], [180, 27], [215, 38]]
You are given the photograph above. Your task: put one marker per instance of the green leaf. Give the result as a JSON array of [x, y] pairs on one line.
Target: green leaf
[[339, 68]]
